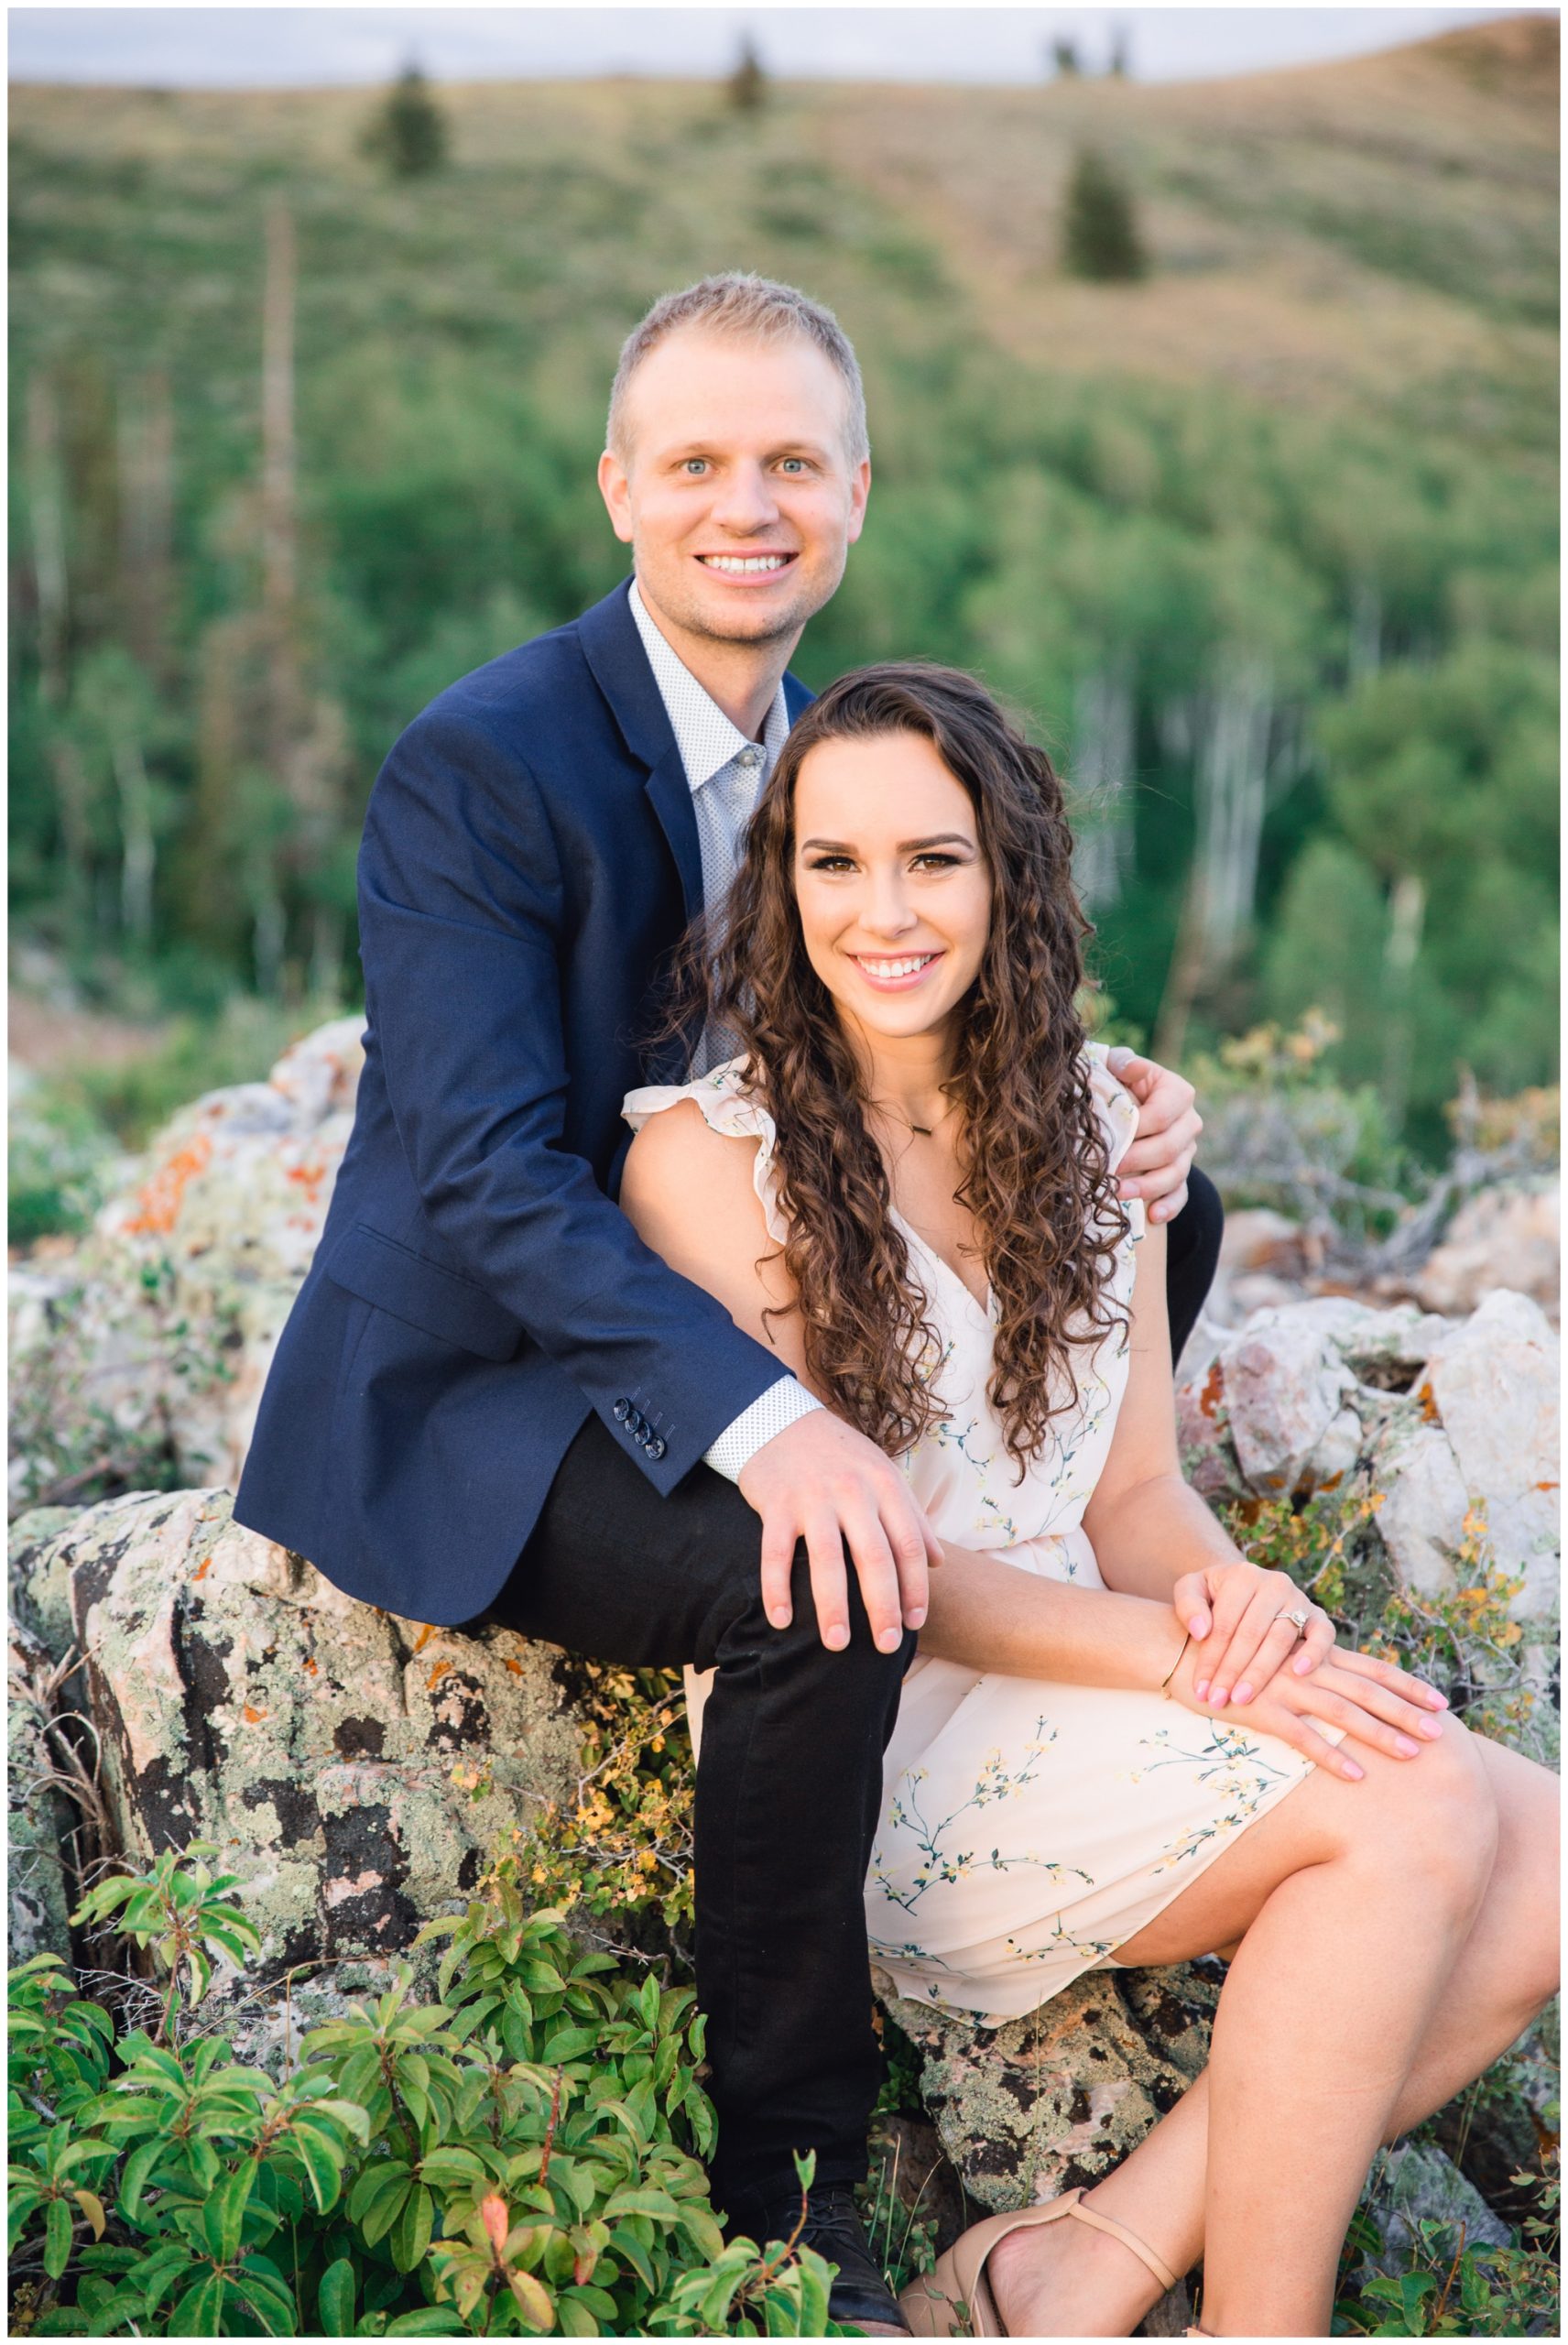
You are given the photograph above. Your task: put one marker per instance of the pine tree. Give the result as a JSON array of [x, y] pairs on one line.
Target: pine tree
[[748, 82], [1100, 238], [1064, 59], [408, 134]]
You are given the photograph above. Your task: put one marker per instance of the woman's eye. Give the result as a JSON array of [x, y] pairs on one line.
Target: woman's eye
[[935, 861], [830, 863]]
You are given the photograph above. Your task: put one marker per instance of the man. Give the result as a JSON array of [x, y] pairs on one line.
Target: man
[[491, 1400]]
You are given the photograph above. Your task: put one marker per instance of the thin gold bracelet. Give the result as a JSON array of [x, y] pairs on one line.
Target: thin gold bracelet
[[1165, 1680]]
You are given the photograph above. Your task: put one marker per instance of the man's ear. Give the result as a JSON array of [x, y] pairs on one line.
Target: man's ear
[[615, 490], [860, 489]]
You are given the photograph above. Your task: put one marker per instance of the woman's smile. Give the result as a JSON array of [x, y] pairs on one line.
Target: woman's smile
[[897, 972]]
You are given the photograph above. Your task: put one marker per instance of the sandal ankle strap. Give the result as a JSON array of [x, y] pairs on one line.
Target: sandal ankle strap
[[1072, 2200]]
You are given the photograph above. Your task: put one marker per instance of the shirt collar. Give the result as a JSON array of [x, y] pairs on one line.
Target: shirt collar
[[703, 734]]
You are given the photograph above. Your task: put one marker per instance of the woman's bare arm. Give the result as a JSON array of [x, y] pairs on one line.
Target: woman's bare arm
[[1146, 1526]]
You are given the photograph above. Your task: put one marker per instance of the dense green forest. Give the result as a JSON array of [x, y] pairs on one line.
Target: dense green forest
[[1264, 541]]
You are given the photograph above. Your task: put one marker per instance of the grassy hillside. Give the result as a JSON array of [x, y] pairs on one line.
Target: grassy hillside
[[1309, 456]]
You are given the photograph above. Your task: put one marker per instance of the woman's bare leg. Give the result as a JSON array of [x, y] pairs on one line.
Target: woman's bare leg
[[1069, 2281]]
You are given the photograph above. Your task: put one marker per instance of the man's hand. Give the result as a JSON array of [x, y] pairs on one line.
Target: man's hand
[[1157, 1164], [822, 1481]]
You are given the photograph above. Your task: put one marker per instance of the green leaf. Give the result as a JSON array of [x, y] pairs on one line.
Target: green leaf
[[534, 2301], [229, 2203], [335, 2299], [388, 2205], [323, 2163], [200, 2312], [57, 2237], [633, 2200], [410, 2235]]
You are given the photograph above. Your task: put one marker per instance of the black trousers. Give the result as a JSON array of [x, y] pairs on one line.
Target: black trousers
[[790, 1781]]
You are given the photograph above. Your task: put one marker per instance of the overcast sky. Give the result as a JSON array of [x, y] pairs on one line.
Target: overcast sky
[[272, 47]]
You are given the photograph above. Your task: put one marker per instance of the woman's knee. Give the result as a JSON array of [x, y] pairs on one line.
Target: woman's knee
[[1431, 1818]]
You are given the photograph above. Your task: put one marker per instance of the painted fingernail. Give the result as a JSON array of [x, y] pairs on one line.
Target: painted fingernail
[[1243, 1692], [1439, 1701], [1356, 1773], [1406, 1747], [1219, 1697], [1201, 1689], [1432, 1728], [1303, 1666], [1198, 1626]]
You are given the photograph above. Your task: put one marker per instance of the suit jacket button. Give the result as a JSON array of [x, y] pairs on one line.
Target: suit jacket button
[[655, 1449], [623, 1411]]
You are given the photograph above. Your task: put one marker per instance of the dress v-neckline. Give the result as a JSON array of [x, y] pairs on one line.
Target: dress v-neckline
[[985, 1308]]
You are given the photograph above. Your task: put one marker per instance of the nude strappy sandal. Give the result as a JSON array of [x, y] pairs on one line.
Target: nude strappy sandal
[[931, 2304]]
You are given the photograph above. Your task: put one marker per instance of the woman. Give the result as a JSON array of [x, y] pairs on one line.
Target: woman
[[1121, 1742]]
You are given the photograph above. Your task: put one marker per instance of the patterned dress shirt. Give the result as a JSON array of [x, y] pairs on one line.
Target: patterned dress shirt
[[725, 774]]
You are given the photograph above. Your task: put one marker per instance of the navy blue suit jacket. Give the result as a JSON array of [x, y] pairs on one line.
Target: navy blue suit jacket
[[529, 860]]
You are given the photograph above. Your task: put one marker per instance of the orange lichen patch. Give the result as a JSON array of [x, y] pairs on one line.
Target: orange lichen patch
[[1212, 1393], [1427, 1403], [202, 1568], [312, 1666], [253, 1717], [158, 1207], [514, 1666], [427, 1630], [1545, 1485], [437, 1674]]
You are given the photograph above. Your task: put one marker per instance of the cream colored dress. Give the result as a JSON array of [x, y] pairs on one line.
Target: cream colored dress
[[1028, 1829]]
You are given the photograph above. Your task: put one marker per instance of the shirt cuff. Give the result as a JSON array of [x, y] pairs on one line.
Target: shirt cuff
[[769, 1413]]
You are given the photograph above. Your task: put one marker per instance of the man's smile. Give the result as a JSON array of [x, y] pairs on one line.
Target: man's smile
[[747, 565]]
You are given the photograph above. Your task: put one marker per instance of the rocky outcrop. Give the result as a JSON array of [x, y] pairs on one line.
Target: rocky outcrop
[[357, 1770], [1053, 2101], [38, 1816], [152, 1340], [1449, 1422], [1510, 1235]]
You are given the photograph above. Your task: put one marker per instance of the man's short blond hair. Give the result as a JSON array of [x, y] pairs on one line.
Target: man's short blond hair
[[757, 307]]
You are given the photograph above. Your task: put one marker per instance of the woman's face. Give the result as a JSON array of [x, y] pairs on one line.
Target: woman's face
[[894, 893]]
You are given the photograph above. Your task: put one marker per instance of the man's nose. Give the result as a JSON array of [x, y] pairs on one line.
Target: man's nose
[[746, 501]]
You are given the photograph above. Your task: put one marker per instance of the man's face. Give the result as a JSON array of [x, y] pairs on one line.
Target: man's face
[[735, 489]]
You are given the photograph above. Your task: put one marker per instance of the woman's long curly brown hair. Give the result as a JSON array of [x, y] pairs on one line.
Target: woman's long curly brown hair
[[1036, 1179]]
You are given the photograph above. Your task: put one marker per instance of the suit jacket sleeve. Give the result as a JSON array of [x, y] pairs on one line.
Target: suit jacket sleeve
[[461, 908]]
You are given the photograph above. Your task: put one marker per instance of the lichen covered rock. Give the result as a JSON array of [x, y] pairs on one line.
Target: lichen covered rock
[[153, 1339], [1436, 1416], [1053, 2100], [355, 1769]]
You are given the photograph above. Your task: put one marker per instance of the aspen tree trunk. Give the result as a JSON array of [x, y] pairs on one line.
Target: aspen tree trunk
[[1407, 919], [46, 509], [1103, 737], [146, 523], [139, 846], [1231, 727]]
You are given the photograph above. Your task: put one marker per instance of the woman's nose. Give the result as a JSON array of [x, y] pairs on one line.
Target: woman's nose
[[889, 910]]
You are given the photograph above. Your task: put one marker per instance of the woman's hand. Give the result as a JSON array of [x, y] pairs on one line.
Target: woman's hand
[[1233, 1613], [1379, 1705]]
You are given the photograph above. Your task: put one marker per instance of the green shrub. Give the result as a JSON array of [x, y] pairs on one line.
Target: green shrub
[[59, 1156], [521, 2155]]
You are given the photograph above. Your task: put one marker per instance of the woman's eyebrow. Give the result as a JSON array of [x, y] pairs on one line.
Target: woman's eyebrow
[[906, 846]]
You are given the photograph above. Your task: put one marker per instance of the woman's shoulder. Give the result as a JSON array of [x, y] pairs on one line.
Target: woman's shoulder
[[685, 1145]]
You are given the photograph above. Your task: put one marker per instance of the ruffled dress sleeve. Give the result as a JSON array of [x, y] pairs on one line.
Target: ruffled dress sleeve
[[1117, 1111], [729, 1106]]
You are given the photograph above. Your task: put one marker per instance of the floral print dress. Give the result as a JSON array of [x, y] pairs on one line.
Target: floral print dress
[[1029, 1829]]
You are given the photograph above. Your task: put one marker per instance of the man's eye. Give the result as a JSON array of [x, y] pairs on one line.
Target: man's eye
[[793, 465], [694, 465]]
